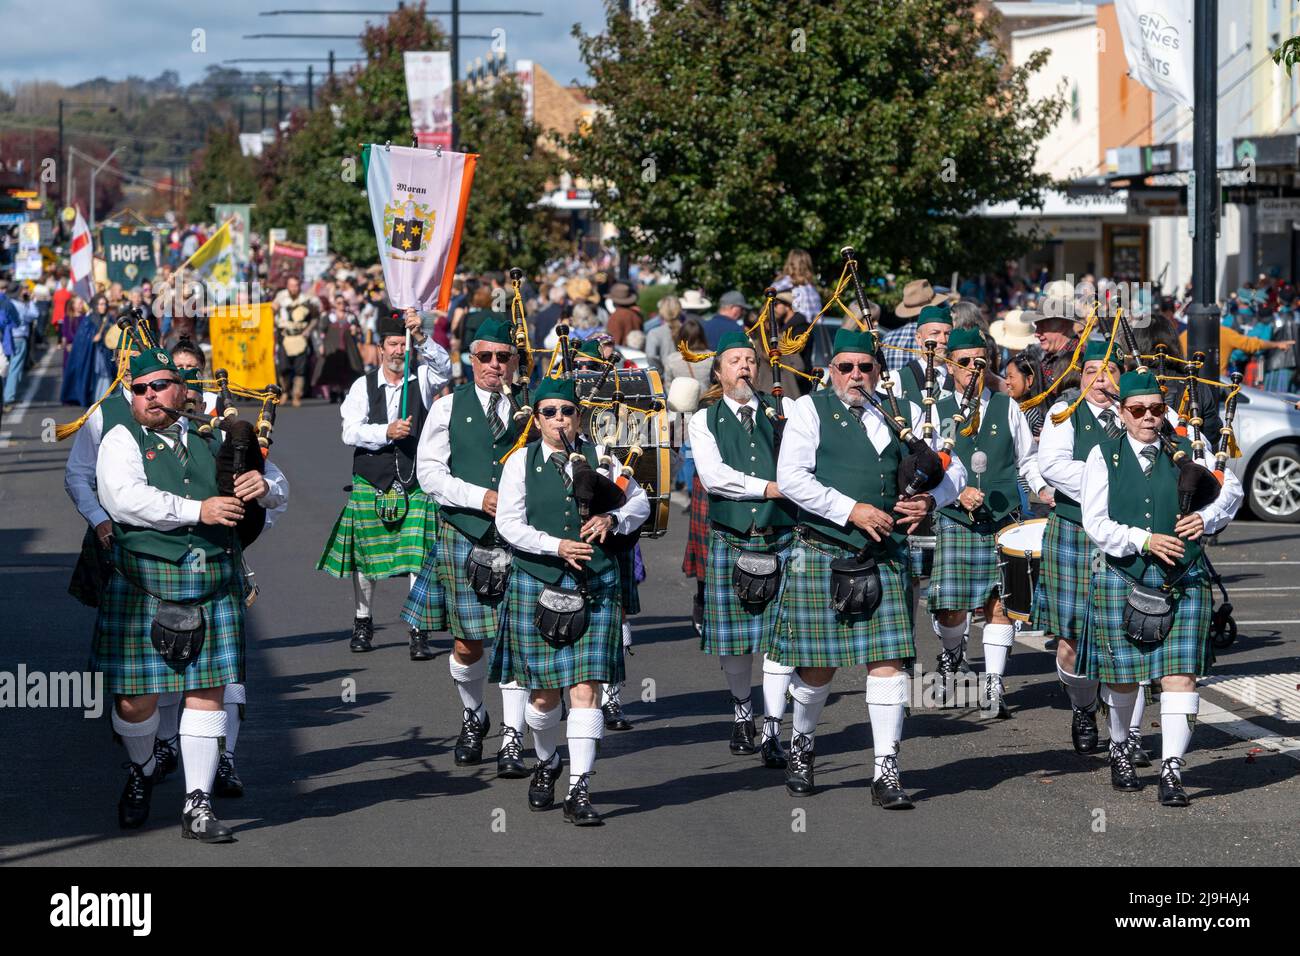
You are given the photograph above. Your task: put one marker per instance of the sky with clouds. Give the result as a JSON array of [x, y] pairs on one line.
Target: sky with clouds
[[73, 40]]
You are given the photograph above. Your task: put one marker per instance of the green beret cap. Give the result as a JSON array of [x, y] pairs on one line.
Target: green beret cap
[[851, 340], [934, 313], [555, 388], [734, 340], [152, 360], [968, 337], [1132, 384], [1095, 351], [494, 330]]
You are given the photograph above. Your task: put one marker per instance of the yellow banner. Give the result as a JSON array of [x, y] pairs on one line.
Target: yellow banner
[[243, 343]]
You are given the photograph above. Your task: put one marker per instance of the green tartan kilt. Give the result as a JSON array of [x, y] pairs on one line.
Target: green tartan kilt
[[629, 590], [810, 633], [1110, 657], [521, 654], [965, 566], [122, 648], [729, 627], [1061, 598], [426, 604], [362, 542], [468, 618]]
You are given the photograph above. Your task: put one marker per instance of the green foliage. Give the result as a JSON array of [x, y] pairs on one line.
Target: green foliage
[[1288, 54], [729, 135], [220, 173]]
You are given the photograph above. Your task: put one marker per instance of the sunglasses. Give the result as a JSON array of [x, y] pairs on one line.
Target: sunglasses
[[1155, 409], [550, 411], [157, 385], [846, 368], [966, 362], [484, 358]]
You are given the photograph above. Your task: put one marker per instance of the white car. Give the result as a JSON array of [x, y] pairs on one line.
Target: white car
[[1268, 432]]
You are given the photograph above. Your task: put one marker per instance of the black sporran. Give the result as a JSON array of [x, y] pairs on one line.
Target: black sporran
[[488, 571], [177, 633], [561, 615], [754, 578], [1148, 615], [855, 585]]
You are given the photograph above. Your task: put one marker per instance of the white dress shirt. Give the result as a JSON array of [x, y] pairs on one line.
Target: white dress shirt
[[433, 459], [1056, 461], [716, 475], [512, 514], [1122, 540], [1022, 436], [798, 460], [433, 373], [129, 499]]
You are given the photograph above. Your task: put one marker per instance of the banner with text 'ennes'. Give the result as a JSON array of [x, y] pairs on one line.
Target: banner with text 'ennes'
[[243, 343]]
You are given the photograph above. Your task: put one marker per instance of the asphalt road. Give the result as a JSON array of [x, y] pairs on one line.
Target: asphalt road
[[373, 782]]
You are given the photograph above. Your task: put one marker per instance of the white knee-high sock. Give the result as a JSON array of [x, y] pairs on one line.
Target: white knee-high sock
[[808, 704], [545, 725], [514, 699], [1120, 706], [739, 669], [776, 681], [234, 697], [950, 637], [886, 701], [998, 639], [137, 738], [470, 680], [363, 589], [586, 727], [1082, 691], [1177, 719], [169, 715], [1139, 708], [410, 584], [200, 730], [627, 634]]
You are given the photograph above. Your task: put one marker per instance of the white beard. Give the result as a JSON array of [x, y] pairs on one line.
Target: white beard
[[740, 393], [851, 396]]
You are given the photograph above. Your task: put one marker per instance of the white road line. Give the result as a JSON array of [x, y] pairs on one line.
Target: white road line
[[29, 392], [1281, 587], [1250, 564], [1290, 620]]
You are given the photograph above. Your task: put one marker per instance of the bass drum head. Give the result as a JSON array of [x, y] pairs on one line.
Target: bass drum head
[[1023, 539]]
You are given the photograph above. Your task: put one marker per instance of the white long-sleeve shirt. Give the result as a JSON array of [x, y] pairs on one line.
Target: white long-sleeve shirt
[[433, 459], [512, 514], [432, 374], [798, 460], [1122, 540], [716, 475], [1056, 462], [127, 496], [1022, 436]]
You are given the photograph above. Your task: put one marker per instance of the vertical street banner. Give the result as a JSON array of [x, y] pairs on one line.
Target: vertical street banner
[[81, 257], [417, 204], [243, 343], [129, 253], [428, 92], [287, 259], [526, 76], [1158, 45], [240, 216]]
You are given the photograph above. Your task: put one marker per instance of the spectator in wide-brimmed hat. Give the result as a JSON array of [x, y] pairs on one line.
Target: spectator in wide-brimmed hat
[[624, 314]]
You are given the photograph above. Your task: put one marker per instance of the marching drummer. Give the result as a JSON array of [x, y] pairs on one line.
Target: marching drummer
[[1136, 511], [965, 576]]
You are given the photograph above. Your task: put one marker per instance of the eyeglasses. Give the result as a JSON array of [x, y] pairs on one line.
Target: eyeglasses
[[550, 411], [966, 362], [1155, 410], [846, 368], [484, 358], [157, 385]]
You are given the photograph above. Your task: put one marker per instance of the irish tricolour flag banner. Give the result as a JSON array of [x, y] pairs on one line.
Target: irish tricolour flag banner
[[417, 202]]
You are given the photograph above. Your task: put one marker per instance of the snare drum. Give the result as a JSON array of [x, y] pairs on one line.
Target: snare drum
[[920, 546], [641, 420], [1020, 548]]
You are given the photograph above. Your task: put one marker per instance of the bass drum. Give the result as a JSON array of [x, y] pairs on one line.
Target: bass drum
[[641, 420]]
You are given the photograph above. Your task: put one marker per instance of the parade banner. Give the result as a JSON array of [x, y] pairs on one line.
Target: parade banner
[[1158, 45], [240, 216], [428, 93], [214, 261], [81, 257], [286, 260], [417, 204], [129, 254], [243, 342]]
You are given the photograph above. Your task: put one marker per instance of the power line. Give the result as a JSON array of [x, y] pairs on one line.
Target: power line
[[427, 13], [295, 59]]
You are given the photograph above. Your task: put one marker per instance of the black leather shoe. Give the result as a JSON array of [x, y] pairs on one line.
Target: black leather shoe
[[363, 632], [799, 767], [993, 701], [1083, 731], [133, 807], [541, 789], [771, 752], [577, 806], [1122, 775], [198, 822], [887, 789], [1172, 793], [165, 760], [421, 650], [613, 710], [469, 745], [1136, 752], [227, 783], [510, 758], [949, 663], [742, 731]]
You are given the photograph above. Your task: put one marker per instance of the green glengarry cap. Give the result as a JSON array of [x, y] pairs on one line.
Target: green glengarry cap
[[851, 340], [1095, 351], [968, 337], [555, 388], [494, 330], [590, 347], [191, 377], [1132, 384], [934, 313], [152, 360], [734, 340]]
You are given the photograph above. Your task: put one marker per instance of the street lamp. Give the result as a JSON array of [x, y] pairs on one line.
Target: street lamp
[[93, 173]]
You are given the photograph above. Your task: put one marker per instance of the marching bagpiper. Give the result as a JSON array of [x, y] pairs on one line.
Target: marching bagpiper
[[387, 527], [1145, 505], [735, 444], [461, 449], [965, 576], [840, 460], [933, 327], [561, 624]]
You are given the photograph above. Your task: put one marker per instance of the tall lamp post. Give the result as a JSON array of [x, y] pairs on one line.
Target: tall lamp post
[[1203, 313]]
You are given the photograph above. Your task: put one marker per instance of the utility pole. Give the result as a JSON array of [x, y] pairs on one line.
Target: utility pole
[[455, 75], [1203, 313], [311, 95], [279, 106], [624, 266]]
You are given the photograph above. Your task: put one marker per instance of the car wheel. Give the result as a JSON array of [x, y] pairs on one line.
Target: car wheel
[[1274, 489]]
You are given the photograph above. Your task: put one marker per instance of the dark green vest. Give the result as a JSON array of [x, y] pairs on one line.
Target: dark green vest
[[914, 386], [549, 507], [1088, 433], [849, 463], [1148, 501], [754, 455], [1000, 482], [114, 410], [475, 457], [196, 480]]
